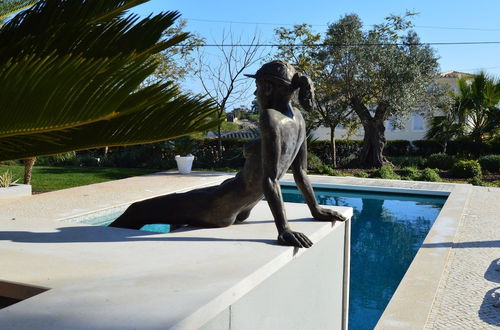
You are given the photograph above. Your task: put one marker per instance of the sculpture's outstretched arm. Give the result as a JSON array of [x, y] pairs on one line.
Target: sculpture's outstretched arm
[[271, 153], [299, 167]]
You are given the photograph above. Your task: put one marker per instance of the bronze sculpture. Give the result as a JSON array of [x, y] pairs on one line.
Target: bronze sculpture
[[282, 145]]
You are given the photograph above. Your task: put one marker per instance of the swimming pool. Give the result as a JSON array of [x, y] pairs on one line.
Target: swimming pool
[[387, 231]]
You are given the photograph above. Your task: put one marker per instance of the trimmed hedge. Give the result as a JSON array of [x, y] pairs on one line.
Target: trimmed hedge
[[345, 149], [490, 163], [398, 148], [441, 161], [401, 153], [426, 147]]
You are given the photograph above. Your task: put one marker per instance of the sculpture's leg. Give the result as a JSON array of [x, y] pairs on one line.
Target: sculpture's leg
[[245, 213], [168, 209], [134, 217]]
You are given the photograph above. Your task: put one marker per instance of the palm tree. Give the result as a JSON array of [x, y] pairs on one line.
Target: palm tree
[[473, 112], [478, 106], [71, 74]]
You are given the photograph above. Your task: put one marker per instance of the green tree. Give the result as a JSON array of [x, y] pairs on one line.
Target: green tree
[[379, 74], [70, 78], [447, 124], [176, 62], [478, 106], [332, 107], [386, 74]]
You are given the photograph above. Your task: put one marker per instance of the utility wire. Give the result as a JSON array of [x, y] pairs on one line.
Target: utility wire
[[349, 45], [289, 24]]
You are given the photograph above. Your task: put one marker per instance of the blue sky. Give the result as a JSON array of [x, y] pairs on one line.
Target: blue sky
[[438, 21]]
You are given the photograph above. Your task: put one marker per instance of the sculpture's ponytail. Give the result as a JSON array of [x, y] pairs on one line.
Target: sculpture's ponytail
[[306, 90]]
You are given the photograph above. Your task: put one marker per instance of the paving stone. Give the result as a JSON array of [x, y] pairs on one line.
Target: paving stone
[[470, 286]]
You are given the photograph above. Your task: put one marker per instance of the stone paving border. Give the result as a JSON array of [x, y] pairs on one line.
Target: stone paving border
[[471, 285]]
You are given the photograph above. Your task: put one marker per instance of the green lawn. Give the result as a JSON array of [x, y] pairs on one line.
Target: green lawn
[[47, 178]]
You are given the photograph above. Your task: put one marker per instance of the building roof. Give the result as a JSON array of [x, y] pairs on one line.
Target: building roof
[[455, 74]]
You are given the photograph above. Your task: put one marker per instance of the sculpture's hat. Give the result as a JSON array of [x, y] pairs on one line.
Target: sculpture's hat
[[278, 71]]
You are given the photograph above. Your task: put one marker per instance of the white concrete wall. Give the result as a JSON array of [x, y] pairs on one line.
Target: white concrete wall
[[307, 293]]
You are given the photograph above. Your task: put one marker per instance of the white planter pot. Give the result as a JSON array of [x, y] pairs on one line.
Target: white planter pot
[[16, 190], [184, 163]]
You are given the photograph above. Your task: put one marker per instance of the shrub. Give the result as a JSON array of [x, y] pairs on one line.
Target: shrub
[[7, 179], [476, 181], [327, 170], [428, 174], [313, 161], [441, 161], [361, 174], [412, 161], [10, 163], [89, 161], [385, 172], [490, 163], [409, 173], [64, 159], [466, 169]]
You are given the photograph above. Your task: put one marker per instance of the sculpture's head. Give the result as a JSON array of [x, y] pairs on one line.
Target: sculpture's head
[[283, 81]]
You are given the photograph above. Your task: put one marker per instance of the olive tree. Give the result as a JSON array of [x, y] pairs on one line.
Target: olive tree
[[384, 72], [379, 74]]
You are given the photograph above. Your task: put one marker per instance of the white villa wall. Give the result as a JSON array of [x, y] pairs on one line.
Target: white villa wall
[[415, 126], [415, 129]]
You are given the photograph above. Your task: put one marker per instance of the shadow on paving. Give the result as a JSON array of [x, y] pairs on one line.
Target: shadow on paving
[[489, 311], [81, 234]]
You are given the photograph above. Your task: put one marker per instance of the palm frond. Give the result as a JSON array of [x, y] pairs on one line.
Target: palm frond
[[71, 74], [9, 7], [172, 120], [65, 91]]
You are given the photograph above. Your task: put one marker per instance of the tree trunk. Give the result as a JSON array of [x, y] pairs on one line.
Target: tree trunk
[[219, 146], [333, 147], [373, 144], [28, 169]]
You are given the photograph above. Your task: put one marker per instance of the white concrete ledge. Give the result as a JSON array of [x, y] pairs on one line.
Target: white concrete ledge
[[105, 278], [16, 190]]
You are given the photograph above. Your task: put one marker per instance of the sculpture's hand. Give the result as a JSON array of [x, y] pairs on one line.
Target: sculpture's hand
[[293, 238], [323, 214]]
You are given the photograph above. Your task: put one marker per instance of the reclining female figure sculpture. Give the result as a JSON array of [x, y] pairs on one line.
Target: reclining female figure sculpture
[[282, 145]]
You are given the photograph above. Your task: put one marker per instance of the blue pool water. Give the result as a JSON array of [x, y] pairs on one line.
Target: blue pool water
[[104, 218], [386, 232]]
